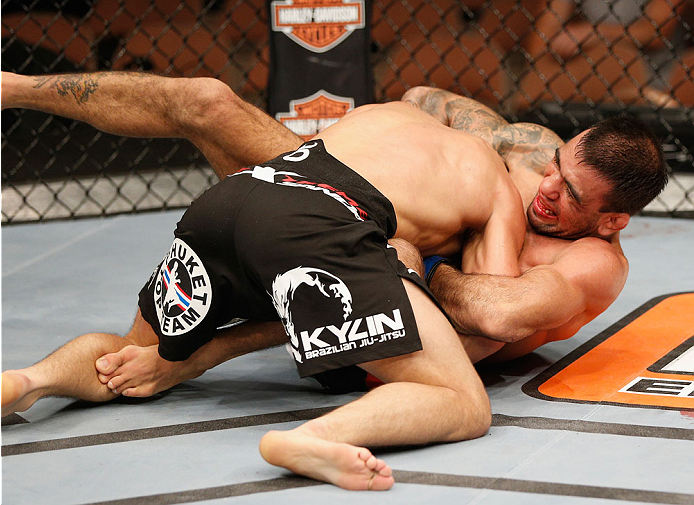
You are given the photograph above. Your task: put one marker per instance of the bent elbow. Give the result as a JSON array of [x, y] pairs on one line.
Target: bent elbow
[[416, 94], [505, 329]]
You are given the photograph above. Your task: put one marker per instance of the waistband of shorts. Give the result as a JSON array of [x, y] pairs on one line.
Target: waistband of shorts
[[321, 164]]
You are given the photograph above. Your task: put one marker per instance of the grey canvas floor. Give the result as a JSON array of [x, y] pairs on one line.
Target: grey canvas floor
[[197, 443]]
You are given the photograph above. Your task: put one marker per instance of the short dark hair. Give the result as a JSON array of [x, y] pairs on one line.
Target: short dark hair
[[625, 152]]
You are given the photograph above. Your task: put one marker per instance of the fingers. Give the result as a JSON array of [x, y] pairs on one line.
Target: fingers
[[116, 383], [109, 363], [110, 368], [138, 392], [130, 386], [132, 371], [120, 385]]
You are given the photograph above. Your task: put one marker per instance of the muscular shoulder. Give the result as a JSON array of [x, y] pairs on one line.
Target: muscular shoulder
[[596, 267], [599, 248], [482, 184]]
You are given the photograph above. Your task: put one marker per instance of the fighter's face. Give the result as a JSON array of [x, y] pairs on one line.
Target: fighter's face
[[569, 199]]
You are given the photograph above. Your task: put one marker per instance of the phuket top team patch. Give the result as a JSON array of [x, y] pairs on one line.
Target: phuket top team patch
[[182, 291]]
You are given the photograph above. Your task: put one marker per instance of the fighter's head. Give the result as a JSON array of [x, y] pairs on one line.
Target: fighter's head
[[598, 180]]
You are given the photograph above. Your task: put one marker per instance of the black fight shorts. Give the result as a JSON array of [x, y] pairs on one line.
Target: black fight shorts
[[302, 239]]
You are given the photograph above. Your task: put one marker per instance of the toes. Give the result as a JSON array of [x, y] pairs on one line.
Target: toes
[[380, 483], [373, 463], [382, 468], [364, 454]]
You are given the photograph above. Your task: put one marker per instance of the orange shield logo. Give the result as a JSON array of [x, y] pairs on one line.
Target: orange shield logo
[[644, 360], [317, 25], [313, 114]]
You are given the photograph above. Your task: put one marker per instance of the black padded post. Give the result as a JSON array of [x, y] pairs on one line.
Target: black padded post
[[320, 64]]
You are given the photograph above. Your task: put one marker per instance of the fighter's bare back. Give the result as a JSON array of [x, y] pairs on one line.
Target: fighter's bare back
[[432, 192]]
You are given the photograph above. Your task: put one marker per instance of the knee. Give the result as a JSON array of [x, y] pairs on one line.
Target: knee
[[208, 102], [475, 415], [482, 417]]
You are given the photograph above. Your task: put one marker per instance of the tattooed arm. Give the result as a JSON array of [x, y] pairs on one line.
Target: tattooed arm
[[524, 145], [230, 132]]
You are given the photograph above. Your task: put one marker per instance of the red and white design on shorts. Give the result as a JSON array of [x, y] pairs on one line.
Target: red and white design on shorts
[[293, 179], [311, 115], [317, 25]]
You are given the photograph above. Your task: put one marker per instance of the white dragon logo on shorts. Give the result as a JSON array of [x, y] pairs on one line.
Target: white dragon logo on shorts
[[285, 285]]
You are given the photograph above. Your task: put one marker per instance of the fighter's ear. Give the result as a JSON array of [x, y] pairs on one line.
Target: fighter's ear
[[612, 222]]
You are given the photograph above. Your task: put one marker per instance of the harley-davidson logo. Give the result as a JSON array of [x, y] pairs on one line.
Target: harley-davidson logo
[[317, 25], [313, 114]]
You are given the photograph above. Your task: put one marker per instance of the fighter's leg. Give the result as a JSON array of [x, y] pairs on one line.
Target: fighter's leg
[[69, 371], [433, 395], [230, 132], [140, 371]]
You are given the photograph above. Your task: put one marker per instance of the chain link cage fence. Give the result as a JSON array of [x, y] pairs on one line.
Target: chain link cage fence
[[560, 63]]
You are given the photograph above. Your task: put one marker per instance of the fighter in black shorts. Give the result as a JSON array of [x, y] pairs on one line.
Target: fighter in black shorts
[[302, 237]]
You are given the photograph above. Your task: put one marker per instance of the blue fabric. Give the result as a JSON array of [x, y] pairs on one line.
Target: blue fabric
[[430, 265]]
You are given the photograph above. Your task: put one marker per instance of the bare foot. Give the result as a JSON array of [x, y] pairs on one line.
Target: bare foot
[[344, 465], [17, 395], [140, 371]]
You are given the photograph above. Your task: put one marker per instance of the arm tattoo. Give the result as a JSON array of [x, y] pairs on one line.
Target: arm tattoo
[[79, 86], [472, 117], [412, 102], [534, 143], [434, 104], [530, 144]]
